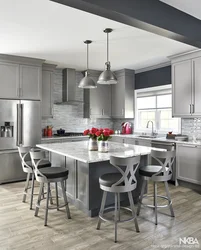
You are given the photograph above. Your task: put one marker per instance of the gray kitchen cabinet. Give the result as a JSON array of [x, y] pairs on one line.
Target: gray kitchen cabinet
[[47, 89], [9, 80], [117, 139], [181, 88], [143, 142], [196, 100], [97, 101], [20, 77], [188, 163], [30, 82], [186, 85], [123, 94]]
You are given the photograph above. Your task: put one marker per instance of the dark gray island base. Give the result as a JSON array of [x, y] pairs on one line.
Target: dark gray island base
[[82, 186], [85, 167]]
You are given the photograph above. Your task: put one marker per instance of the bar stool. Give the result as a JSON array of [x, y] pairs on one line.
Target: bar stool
[[161, 173], [28, 168], [122, 182], [47, 176]]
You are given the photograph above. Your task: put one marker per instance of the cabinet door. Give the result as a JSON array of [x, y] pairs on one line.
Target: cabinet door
[[181, 88], [196, 87], [47, 90], [145, 143], [118, 98], [188, 162], [30, 82], [118, 139], [100, 101], [130, 141], [9, 80]]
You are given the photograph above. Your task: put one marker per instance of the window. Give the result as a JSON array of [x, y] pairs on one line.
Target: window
[[155, 104]]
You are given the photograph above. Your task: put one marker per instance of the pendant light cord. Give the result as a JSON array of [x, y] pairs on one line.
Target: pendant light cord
[[87, 56], [107, 47]]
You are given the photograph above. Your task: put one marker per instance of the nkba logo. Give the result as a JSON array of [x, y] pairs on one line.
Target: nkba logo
[[188, 241]]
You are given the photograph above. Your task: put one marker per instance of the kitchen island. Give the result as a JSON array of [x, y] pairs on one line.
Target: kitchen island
[[85, 168]]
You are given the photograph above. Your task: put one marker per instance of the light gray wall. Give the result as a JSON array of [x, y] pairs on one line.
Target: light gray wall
[[70, 117]]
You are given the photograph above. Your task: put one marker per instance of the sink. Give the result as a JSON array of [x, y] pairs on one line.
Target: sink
[[148, 136]]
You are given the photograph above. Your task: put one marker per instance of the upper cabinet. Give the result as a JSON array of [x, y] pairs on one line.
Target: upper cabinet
[[20, 77], [186, 86], [97, 101], [123, 94], [9, 80], [47, 89]]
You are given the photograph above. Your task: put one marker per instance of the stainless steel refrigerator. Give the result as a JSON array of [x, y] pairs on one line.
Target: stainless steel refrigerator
[[20, 125]]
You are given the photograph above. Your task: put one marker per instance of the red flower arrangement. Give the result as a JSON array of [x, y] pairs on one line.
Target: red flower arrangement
[[101, 134]]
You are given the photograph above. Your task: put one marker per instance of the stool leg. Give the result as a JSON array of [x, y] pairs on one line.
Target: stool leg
[[32, 191], [155, 202], [119, 207], [51, 200], [101, 209], [39, 199], [65, 200], [141, 197], [133, 211], [115, 217], [47, 203], [43, 192], [168, 195], [57, 200], [26, 188]]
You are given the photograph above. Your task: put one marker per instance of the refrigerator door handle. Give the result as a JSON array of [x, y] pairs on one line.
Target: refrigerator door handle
[[22, 126], [18, 124]]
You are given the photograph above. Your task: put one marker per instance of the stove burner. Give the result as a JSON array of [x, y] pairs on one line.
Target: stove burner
[[69, 134]]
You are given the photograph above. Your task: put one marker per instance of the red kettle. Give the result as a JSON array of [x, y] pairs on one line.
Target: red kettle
[[126, 128]]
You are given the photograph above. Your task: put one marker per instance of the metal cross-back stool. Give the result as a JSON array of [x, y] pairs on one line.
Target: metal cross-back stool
[[158, 173], [122, 182], [47, 176], [28, 168]]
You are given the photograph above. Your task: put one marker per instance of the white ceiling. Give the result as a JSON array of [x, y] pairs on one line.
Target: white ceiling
[[47, 30], [192, 7]]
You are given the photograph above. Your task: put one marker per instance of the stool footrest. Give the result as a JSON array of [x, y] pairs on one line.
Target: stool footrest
[[55, 207], [119, 221], [158, 206]]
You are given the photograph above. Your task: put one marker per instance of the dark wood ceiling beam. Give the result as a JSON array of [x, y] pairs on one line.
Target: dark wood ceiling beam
[[149, 15]]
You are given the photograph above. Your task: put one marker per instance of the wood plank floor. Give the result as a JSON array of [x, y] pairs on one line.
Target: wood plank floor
[[19, 229]]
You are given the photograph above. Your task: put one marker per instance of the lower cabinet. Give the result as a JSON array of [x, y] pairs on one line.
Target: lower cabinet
[[140, 142], [117, 139], [188, 163]]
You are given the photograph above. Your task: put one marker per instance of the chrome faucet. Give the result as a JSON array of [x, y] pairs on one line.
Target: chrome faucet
[[152, 133]]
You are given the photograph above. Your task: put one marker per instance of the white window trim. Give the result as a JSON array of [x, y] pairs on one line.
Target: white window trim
[[150, 90]]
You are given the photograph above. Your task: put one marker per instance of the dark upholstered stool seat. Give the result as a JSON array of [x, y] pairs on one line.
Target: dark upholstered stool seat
[[109, 179], [54, 172], [43, 164], [150, 170]]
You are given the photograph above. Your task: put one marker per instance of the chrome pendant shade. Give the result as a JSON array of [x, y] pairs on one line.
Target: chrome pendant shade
[[87, 82], [107, 76]]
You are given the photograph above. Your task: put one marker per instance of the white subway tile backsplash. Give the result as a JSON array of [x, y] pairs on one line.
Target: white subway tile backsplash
[[70, 117]]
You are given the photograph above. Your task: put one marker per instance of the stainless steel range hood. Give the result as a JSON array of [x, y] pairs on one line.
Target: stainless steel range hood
[[69, 88]]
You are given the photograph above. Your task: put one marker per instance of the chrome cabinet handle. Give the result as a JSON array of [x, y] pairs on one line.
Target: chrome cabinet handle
[[190, 109], [122, 111], [103, 112], [193, 108]]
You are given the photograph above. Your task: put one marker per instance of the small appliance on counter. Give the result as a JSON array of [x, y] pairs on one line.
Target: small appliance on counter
[[66, 134], [126, 128], [177, 137]]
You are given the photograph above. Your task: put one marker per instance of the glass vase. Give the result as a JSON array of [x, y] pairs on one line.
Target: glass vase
[[103, 146], [93, 144]]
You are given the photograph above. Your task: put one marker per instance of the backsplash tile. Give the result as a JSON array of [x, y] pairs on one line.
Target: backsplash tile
[[191, 127], [70, 117]]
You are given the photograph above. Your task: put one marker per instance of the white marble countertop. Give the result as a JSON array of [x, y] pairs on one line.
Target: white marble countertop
[[79, 151], [47, 138], [159, 139]]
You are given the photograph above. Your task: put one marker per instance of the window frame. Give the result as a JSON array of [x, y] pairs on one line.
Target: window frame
[[154, 91]]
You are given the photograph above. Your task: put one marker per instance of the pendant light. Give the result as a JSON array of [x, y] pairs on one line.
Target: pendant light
[[107, 76], [87, 82]]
